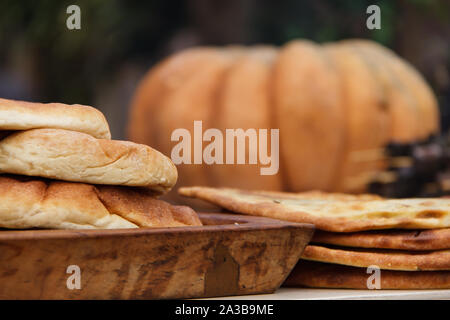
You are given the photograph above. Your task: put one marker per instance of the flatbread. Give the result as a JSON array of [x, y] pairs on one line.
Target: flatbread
[[21, 115], [384, 259], [79, 157], [40, 203], [331, 212], [435, 239], [140, 206], [326, 275]]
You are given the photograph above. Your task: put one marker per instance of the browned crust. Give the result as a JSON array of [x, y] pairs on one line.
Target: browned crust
[[315, 194], [82, 203], [140, 206], [384, 259], [325, 275], [79, 157], [272, 209], [436, 239]]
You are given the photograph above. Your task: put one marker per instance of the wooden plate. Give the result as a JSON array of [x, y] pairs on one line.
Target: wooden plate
[[230, 255]]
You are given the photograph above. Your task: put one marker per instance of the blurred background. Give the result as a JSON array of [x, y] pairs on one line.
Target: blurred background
[[101, 64]]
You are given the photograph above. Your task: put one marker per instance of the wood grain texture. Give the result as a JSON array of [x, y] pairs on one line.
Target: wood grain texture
[[230, 255]]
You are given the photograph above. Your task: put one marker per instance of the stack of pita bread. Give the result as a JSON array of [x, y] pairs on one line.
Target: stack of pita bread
[[407, 239], [60, 169]]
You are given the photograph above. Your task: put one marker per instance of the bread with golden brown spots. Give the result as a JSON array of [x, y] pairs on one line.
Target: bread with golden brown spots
[[28, 202], [331, 212]]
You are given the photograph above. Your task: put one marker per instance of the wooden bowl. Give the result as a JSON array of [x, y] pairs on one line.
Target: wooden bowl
[[229, 255]]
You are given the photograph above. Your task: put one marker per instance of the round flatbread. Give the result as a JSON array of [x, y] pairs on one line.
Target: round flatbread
[[384, 259], [435, 239], [75, 156], [29, 202], [326, 275], [21, 115], [329, 211]]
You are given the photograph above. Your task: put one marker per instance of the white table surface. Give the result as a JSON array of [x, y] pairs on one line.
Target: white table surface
[[346, 294]]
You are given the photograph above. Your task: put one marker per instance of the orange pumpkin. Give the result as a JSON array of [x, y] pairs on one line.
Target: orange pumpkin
[[336, 106]]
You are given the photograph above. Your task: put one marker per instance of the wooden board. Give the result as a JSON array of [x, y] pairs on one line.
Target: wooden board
[[230, 255]]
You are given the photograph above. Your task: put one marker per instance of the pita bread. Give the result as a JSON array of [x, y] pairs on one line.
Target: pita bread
[[384, 259], [139, 206], [79, 157], [331, 212], [21, 115], [435, 239], [40, 203], [325, 275]]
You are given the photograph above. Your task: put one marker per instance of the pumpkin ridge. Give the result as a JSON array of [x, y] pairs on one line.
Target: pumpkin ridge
[[402, 130], [217, 104], [244, 104], [344, 134], [383, 106], [325, 104]]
